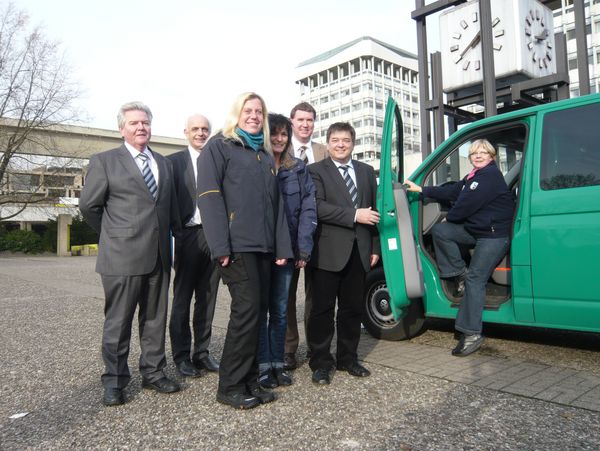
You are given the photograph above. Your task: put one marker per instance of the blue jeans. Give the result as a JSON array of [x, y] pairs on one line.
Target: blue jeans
[[271, 338], [447, 240]]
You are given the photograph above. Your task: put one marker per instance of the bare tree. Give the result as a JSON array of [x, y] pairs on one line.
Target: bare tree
[[36, 93]]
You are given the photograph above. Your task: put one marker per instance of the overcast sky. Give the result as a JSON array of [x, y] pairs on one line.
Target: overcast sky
[[186, 56]]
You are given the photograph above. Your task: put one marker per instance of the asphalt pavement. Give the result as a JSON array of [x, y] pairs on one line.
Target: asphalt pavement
[[418, 398]]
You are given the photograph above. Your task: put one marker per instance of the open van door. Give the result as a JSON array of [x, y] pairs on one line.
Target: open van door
[[393, 304]]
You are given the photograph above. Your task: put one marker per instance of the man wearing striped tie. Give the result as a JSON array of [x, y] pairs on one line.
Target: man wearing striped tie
[[129, 199], [346, 247]]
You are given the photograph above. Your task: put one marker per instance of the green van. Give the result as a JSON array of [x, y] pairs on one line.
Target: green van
[[550, 158]]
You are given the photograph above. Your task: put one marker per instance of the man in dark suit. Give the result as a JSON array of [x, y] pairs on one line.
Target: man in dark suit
[[195, 271], [346, 247], [129, 199], [303, 118]]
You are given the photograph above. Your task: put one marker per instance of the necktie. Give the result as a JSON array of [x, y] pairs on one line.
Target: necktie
[[350, 185], [148, 176], [303, 155]]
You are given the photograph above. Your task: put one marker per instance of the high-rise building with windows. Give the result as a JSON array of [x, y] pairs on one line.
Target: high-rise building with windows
[[564, 20], [351, 83]]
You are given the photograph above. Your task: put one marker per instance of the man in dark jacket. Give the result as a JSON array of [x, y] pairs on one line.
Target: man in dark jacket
[[195, 271]]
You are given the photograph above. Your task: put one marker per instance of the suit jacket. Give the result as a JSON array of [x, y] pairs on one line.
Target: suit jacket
[[185, 184], [320, 151], [336, 230], [133, 227]]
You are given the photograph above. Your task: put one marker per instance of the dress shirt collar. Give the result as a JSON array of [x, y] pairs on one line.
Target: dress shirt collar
[[134, 152]]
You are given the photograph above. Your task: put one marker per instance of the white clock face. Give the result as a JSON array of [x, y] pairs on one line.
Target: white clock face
[[465, 42], [538, 35]]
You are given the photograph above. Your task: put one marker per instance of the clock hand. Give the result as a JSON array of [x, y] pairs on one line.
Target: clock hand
[[473, 43], [543, 35]]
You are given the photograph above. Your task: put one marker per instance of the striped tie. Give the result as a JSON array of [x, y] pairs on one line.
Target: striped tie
[[303, 155], [148, 176], [350, 185]]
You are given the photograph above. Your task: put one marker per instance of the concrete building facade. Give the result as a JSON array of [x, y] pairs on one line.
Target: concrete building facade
[[564, 20], [351, 83]]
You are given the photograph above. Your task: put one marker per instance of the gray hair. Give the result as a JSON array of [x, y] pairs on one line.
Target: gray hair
[[131, 106]]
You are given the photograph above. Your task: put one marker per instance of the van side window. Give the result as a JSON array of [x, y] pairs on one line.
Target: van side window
[[570, 154], [509, 143]]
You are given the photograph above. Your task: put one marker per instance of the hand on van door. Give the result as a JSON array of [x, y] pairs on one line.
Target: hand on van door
[[367, 216], [374, 259], [411, 186]]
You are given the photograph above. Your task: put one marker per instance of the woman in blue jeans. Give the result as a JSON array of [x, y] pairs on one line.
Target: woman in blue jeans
[[298, 193], [480, 218]]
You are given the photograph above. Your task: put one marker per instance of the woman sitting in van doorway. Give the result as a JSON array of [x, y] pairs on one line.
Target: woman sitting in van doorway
[[480, 218]]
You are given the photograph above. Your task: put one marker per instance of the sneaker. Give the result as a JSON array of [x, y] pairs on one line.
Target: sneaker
[[283, 377], [267, 380], [459, 286], [468, 344]]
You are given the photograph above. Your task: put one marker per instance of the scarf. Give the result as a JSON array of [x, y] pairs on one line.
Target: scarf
[[253, 140]]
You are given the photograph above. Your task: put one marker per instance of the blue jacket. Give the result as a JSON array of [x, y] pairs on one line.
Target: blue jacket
[[298, 192], [484, 204]]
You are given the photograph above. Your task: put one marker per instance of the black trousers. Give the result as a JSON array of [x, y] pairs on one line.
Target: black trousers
[[248, 277], [123, 294], [195, 275], [347, 287]]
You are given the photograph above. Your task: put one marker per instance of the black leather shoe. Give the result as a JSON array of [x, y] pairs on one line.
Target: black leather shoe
[[459, 286], [289, 362], [207, 363], [468, 344], [188, 369], [238, 400], [113, 397], [263, 396], [321, 376], [283, 377], [163, 385], [355, 369], [267, 380]]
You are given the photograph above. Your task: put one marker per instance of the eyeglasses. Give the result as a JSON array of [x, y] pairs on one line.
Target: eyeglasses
[[479, 152]]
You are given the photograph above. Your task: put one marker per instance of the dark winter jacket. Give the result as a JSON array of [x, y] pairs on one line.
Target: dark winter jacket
[[239, 200], [484, 204], [298, 193]]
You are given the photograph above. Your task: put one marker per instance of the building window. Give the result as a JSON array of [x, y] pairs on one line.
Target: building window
[[368, 104], [346, 109], [378, 105], [324, 99], [356, 106], [335, 113], [345, 92], [357, 124], [355, 89], [368, 86], [324, 116], [335, 96]]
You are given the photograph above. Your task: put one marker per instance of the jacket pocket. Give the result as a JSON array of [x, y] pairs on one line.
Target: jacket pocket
[[234, 272]]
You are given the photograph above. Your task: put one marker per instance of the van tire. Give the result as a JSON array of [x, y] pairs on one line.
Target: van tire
[[377, 313]]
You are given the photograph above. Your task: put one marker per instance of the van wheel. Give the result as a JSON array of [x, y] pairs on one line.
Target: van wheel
[[377, 315]]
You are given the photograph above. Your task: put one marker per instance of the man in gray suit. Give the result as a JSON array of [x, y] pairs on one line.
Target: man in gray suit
[[303, 118], [129, 199], [195, 271], [346, 247]]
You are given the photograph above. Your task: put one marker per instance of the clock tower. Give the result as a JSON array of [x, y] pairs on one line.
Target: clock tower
[[523, 43]]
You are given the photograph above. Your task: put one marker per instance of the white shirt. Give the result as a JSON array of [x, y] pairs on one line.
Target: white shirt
[[350, 172], [194, 154], [140, 163], [309, 151]]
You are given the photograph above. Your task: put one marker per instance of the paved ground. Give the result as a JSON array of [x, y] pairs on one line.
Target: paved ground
[[526, 389]]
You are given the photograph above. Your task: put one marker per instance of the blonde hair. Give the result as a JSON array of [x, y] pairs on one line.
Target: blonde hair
[[231, 122], [483, 144]]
